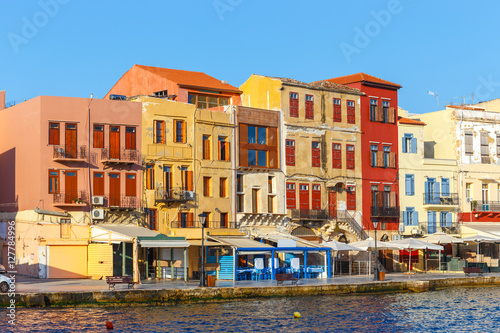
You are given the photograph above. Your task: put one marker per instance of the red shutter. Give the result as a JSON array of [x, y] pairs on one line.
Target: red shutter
[[336, 156], [130, 185], [290, 196], [98, 136], [98, 183], [350, 157], [54, 134], [304, 197], [290, 152], [337, 110], [190, 220], [309, 107], [351, 113], [189, 180], [351, 198], [294, 105], [316, 196], [130, 138], [316, 152]]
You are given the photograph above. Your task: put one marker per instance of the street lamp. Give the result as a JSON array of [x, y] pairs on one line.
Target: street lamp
[[375, 269], [203, 219]]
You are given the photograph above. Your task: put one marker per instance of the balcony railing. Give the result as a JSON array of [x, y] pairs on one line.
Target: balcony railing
[[311, 214], [66, 153], [127, 156], [377, 211], [485, 206], [439, 198], [164, 194], [123, 202], [447, 227], [211, 224], [71, 198]]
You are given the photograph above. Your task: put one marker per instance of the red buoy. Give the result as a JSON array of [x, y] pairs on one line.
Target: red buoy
[[109, 325]]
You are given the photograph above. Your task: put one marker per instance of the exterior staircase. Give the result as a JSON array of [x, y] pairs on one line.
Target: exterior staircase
[[345, 220]]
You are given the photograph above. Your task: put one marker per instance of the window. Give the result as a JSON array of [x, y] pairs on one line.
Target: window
[[179, 131], [387, 197], [223, 187], [53, 181], [239, 183], [316, 153], [185, 220], [290, 196], [385, 110], [336, 156], [223, 220], [309, 107], [410, 184], [150, 176], [375, 199], [186, 178], [351, 197], [255, 200], [373, 151], [351, 112], [257, 135], [485, 152], [445, 219], [130, 185], [270, 184], [445, 187], [223, 148], [65, 228], [205, 102], [350, 159], [240, 203], [431, 222], [258, 146], [484, 193], [270, 203], [152, 219], [257, 157], [159, 127], [468, 192], [373, 109], [207, 184], [290, 152], [130, 142], [162, 93], [387, 152], [410, 216], [54, 134], [337, 110], [294, 104], [167, 180], [206, 147], [98, 183], [409, 144], [469, 140], [98, 136], [316, 196]]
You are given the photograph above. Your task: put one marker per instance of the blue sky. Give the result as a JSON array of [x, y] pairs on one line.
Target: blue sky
[[74, 48]]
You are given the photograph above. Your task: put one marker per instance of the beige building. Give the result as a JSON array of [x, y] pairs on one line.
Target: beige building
[[321, 160]]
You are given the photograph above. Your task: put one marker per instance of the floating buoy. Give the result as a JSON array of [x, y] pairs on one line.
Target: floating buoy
[[109, 325], [296, 314]]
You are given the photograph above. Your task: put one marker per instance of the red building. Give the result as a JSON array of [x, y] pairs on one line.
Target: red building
[[379, 145]]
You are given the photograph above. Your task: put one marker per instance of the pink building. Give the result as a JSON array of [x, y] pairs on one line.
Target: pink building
[[74, 155]]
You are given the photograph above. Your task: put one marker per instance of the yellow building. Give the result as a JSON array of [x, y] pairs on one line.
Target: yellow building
[[321, 159], [188, 170]]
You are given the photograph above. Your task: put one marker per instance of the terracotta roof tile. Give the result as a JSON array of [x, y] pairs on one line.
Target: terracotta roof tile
[[325, 85], [463, 107], [361, 77], [189, 78], [408, 121]]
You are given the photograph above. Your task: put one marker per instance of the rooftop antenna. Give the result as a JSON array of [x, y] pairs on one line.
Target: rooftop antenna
[[435, 95]]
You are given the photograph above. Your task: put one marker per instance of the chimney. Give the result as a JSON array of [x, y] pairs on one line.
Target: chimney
[[2, 99]]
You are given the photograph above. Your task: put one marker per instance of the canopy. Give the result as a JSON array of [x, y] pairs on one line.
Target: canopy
[[481, 239], [442, 238], [339, 246], [415, 244], [369, 245]]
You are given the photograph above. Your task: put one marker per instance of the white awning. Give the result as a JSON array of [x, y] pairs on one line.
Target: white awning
[[163, 243]]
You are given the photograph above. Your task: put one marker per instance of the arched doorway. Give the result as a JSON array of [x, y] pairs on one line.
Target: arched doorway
[[305, 233]]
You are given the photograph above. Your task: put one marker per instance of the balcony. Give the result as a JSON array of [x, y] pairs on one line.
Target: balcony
[[123, 202], [428, 229], [211, 224], [485, 206], [71, 199], [381, 211], [172, 195], [311, 214], [70, 154], [441, 199], [120, 156]]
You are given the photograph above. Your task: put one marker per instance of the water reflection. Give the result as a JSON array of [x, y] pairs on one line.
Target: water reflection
[[450, 310]]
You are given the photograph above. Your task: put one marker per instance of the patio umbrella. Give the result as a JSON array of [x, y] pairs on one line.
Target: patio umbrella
[[442, 238], [339, 246], [480, 239], [369, 245], [411, 244]]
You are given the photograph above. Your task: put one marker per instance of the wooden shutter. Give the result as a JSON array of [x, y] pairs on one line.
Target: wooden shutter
[[272, 134], [98, 136], [190, 220], [294, 105], [273, 159], [350, 157], [130, 138], [309, 108], [243, 141], [98, 183], [351, 198], [316, 197], [390, 115], [290, 152], [291, 201], [184, 134], [336, 156], [392, 199], [316, 154], [351, 114], [130, 185], [380, 158], [392, 160], [206, 147], [380, 199], [54, 134], [189, 180], [337, 111], [226, 150], [379, 113]]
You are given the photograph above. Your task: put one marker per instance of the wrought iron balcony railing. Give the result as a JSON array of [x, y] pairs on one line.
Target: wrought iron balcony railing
[[440, 198], [211, 224], [112, 155], [164, 194], [123, 202], [69, 153], [377, 211], [71, 198], [485, 206]]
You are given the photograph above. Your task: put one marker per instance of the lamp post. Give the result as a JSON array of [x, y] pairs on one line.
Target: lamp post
[[203, 219], [375, 269]]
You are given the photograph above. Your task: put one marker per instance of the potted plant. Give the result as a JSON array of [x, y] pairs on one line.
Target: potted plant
[[474, 205]]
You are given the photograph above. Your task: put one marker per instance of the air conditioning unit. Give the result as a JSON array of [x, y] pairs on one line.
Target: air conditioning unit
[[97, 214], [416, 232], [469, 200], [189, 195], [98, 200]]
